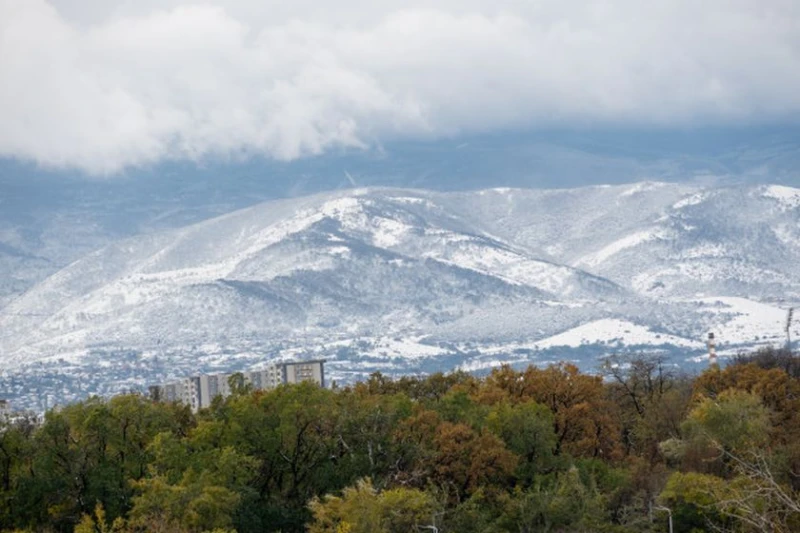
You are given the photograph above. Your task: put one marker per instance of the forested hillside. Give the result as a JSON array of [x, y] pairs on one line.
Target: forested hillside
[[549, 449]]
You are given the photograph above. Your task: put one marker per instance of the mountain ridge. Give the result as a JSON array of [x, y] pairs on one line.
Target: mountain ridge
[[438, 279]]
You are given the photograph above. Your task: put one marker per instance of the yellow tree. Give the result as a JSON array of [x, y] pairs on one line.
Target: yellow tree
[[362, 509], [735, 427]]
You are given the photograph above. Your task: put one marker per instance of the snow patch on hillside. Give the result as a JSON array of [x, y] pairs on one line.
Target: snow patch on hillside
[[743, 321], [387, 232], [787, 197], [510, 266], [706, 250], [642, 187], [629, 241], [614, 332], [693, 199], [407, 348], [787, 235]]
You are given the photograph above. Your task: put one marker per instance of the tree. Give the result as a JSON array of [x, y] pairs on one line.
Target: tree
[[238, 385], [769, 358], [466, 460], [527, 430], [96, 523], [362, 509], [735, 421], [566, 505], [753, 500], [736, 426], [651, 401], [198, 503], [16, 455], [640, 379], [583, 419]]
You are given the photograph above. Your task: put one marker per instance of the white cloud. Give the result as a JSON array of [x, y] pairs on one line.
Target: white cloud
[[102, 85]]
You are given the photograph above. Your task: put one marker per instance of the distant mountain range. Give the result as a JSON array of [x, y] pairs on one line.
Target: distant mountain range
[[50, 217], [408, 280]]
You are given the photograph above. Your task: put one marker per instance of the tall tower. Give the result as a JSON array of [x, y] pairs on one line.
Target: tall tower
[[789, 315], [712, 351]]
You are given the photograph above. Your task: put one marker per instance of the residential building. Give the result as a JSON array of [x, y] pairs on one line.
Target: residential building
[[297, 371], [199, 391]]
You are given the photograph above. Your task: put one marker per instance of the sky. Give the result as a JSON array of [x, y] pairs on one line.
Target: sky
[[101, 86]]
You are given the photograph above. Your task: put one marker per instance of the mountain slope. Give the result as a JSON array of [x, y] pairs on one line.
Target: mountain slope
[[657, 239], [269, 271], [416, 280]]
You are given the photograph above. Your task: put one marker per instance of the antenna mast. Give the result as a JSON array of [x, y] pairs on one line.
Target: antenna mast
[[789, 316]]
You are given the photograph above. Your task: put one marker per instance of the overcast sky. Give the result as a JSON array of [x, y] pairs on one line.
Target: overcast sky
[[102, 85]]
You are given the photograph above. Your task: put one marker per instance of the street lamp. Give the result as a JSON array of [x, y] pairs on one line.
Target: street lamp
[[669, 512]]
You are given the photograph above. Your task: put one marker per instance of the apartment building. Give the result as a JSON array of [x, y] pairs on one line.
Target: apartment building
[[199, 391], [298, 371]]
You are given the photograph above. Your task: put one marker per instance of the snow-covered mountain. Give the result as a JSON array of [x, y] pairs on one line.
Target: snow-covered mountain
[[413, 280], [52, 217], [660, 239]]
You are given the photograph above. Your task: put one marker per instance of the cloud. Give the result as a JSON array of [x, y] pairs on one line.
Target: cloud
[[106, 85]]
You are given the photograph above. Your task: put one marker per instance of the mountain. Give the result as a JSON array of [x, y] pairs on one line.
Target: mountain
[[660, 239], [408, 280], [50, 217]]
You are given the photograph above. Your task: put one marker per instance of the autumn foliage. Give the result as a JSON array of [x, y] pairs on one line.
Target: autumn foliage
[[541, 449]]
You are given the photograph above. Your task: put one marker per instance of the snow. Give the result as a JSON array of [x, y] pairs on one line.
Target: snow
[[409, 347], [692, 199], [474, 365], [388, 233], [705, 250], [615, 332], [174, 291], [787, 235], [505, 264], [743, 321], [642, 187], [787, 197], [413, 200], [629, 241]]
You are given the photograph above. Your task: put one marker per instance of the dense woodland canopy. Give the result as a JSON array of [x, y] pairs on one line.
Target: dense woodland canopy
[[550, 450]]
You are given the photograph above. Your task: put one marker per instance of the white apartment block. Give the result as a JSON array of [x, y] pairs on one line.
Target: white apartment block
[[199, 391]]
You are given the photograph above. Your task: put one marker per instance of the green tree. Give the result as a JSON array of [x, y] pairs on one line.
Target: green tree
[[567, 505], [527, 429], [362, 509], [735, 426]]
